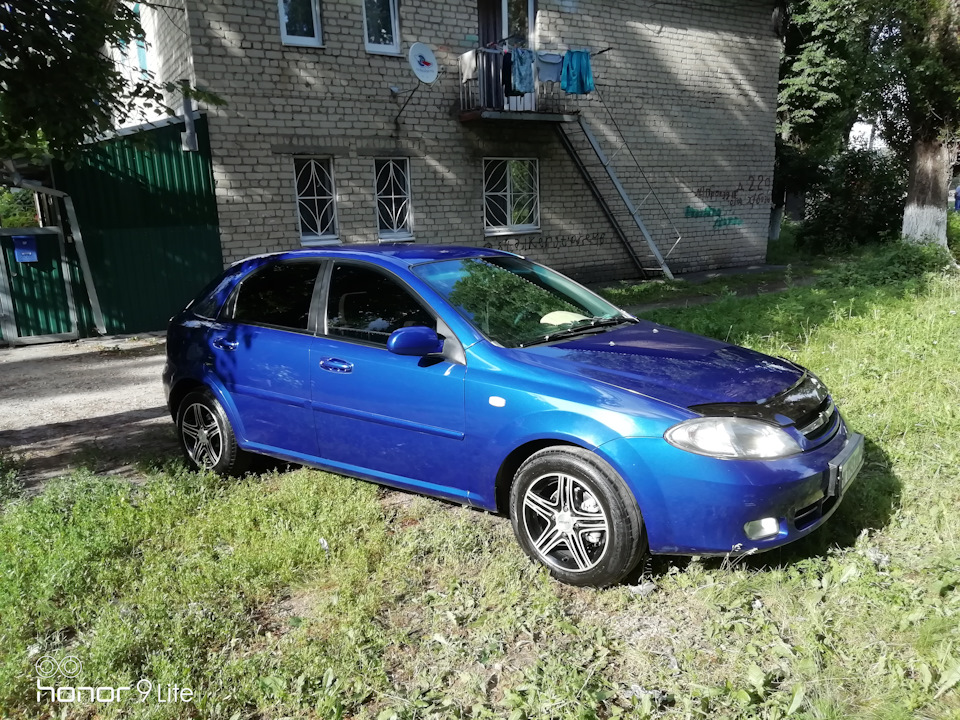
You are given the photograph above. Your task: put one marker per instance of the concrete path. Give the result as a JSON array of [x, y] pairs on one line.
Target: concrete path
[[95, 404]]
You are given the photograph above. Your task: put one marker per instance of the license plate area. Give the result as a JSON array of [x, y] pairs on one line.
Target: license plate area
[[846, 466]]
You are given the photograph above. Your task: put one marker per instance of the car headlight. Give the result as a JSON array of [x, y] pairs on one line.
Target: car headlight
[[729, 437]]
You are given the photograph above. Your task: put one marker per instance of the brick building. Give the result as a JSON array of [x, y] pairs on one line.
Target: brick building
[[311, 146]]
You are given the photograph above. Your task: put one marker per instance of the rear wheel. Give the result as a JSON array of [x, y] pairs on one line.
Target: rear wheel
[[206, 437], [571, 512]]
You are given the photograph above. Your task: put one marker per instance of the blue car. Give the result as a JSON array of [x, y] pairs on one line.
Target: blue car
[[480, 377]]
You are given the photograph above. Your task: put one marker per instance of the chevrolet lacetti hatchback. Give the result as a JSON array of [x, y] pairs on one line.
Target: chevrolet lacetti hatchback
[[483, 378]]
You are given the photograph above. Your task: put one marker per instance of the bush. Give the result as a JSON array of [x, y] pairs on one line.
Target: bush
[[901, 263], [16, 208], [858, 199]]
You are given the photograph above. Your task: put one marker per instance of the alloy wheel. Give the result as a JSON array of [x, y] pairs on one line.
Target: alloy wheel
[[565, 522], [202, 436]]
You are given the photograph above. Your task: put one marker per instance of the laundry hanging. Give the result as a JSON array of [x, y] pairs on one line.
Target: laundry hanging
[[522, 74], [549, 65], [468, 66], [506, 76], [576, 77]]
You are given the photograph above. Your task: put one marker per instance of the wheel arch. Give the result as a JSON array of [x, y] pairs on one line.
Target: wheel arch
[[179, 391], [508, 468], [186, 385]]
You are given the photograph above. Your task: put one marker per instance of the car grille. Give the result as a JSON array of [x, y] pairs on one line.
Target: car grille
[[806, 516], [817, 423]]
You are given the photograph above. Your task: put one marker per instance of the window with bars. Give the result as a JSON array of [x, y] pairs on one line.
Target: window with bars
[[300, 22], [394, 219], [316, 201], [511, 195], [381, 31]]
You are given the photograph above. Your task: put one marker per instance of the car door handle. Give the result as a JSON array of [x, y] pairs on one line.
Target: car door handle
[[225, 344], [336, 365]]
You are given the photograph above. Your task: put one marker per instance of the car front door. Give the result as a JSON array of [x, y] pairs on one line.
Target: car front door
[[395, 418], [261, 353]]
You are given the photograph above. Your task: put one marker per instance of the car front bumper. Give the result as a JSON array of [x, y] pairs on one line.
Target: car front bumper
[[696, 505]]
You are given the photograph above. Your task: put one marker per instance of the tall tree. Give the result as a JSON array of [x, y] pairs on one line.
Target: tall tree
[[895, 61], [913, 89], [824, 51]]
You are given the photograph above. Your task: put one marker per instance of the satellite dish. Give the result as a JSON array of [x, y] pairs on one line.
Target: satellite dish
[[423, 63]]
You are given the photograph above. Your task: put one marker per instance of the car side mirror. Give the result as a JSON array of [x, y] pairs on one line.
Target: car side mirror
[[416, 341]]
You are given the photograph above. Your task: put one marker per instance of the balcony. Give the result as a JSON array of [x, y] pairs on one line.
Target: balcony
[[482, 96]]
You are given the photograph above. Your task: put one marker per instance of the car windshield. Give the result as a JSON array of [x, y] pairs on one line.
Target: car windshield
[[515, 302]]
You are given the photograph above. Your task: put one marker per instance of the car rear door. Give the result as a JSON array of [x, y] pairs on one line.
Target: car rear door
[[398, 419], [260, 350]]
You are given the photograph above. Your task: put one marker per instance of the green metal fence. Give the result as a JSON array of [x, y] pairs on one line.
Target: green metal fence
[[148, 215]]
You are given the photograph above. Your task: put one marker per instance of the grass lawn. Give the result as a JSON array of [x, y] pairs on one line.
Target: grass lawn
[[303, 594]]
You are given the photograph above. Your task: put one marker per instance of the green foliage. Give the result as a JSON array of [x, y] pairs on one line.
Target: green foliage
[[858, 199], [911, 84], [17, 208], [58, 82], [10, 484], [897, 264], [825, 50], [953, 232]]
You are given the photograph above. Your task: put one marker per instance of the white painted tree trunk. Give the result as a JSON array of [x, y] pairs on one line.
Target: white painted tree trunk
[[925, 215]]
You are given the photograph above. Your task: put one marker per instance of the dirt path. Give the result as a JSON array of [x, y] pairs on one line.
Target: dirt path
[[95, 404]]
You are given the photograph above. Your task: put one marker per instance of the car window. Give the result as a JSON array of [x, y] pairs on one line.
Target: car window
[[366, 305], [278, 295], [513, 301]]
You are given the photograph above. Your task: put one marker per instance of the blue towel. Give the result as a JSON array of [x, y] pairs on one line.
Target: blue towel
[[576, 77], [523, 70]]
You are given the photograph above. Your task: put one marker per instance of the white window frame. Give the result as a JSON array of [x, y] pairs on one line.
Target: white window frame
[[510, 229], [301, 40], [333, 236], [404, 231], [393, 49]]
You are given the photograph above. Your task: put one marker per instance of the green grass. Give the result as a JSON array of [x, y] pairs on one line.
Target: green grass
[[418, 609]]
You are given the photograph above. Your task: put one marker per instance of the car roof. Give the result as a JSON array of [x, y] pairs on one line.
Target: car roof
[[404, 254]]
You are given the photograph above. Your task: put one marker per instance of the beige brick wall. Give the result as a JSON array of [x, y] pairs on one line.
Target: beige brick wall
[[692, 86], [169, 52]]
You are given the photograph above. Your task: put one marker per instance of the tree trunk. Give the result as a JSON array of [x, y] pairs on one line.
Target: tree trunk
[[925, 216]]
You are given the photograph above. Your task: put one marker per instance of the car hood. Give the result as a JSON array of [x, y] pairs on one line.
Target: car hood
[[676, 367]]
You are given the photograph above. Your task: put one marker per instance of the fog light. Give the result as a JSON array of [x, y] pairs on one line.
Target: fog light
[[761, 529]]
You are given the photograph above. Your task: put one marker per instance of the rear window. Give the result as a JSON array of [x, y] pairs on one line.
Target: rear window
[[278, 295]]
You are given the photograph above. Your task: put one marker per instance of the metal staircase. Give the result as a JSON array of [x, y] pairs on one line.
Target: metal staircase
[[625, 217]]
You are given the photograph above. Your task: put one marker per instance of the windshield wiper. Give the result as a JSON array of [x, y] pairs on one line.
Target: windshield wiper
[[593, 326]]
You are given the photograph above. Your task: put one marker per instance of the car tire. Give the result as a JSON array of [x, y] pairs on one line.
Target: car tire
[[206, 436], [573, 513]]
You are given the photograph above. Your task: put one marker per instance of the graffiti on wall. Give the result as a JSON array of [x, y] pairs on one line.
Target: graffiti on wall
[[753, 191], [713, 212], [528, 243]]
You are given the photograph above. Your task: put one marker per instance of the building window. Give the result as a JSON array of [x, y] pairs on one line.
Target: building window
[[394, 218], [381, 28], [300, 22], [316, 201], [511, 196]]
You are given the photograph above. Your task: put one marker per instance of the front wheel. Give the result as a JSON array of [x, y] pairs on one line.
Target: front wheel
[[571, 512], [206, 437]]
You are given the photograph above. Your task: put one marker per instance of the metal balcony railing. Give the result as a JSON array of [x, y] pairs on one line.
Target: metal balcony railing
[[482, 89]]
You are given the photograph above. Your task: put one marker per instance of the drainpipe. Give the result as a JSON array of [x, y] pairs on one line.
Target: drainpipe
[[188, 139]]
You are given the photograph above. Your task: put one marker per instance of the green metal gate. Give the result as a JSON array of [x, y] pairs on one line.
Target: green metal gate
[[148, 215], [36, 296]]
